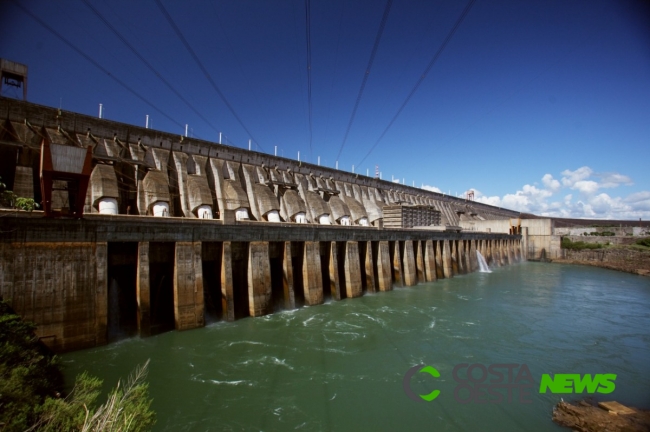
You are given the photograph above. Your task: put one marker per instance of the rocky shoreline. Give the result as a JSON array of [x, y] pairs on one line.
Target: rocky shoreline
[[585, 416]]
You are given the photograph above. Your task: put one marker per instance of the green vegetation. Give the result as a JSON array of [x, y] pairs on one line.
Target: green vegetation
[[30, 381], [579, 245], [596, 233], [644, 242], [10, 199]]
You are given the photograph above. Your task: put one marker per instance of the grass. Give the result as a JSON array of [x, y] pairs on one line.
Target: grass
[[579, 245]]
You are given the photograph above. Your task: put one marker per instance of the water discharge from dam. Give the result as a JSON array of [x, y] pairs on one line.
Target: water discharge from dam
[[482, 264], [340, 366]]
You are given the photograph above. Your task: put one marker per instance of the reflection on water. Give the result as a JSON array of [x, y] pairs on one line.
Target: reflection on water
[[339, 366]]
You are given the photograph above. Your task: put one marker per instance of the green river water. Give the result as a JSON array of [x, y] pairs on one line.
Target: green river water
[[340, 366]]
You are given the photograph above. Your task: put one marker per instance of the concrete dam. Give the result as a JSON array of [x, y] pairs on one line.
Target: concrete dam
[[143, 231]]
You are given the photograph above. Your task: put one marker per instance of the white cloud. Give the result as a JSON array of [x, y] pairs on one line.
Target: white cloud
[[612, 180], [550, 182], [431, 188], [586, 186], [571, 177], [553, 200]]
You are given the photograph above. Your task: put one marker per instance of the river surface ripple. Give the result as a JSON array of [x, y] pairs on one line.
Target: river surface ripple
[[340, 366]]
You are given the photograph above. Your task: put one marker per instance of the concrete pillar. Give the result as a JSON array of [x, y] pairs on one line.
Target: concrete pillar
[[419, 260], [287, 278], [504, 252], [515, 249], [489, 257], [227, 296], [335, 283], [466, 261], [496, 253], [410, 275], [473, 258], [429, 261], [188, 286], [447, 265], [371, 285], [460, 257], [312, 280], [143, 290], [398, 274], [524, 243], [453, 244], [440, 274], [259, 279], [382, 259], [101, 293], [352, 269]]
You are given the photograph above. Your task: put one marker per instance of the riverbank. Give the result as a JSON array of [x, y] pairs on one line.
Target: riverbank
[[630, 259], [583, 416]]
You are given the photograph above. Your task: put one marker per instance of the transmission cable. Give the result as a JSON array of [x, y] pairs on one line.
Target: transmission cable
[[94, 63], [308, 39], [366, 74], [423, 76], [146, 63], [204, 70]]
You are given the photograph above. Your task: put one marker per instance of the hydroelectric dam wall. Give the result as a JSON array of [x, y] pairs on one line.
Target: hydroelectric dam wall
[[146, 231]]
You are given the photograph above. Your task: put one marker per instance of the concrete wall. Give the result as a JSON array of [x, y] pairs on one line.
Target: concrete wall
[[541, 241], [627, 240], [76, 279], [618, 231], [142, 166]]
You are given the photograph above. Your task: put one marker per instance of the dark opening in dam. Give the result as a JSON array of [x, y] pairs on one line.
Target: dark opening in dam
[[161, 274], [122, 296]]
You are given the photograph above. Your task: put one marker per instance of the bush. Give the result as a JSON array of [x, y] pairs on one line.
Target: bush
[[28, 372], [644, 242], [31, 379], [10, 199], [579, 245]]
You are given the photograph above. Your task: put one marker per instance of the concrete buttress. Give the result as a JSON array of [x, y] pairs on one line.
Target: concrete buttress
[[227, 296], [429, 261], [333, 272], [311, 274], [419, 260], [143, 290], [352, 269], [439, 263], [369, 268], [410, 272], [447, 259], [287, 278], [101, 298], [188, 286], [398, 274], [259, 279], [384, 281]]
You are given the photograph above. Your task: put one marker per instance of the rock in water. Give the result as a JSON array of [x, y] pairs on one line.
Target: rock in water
[[584, 417]]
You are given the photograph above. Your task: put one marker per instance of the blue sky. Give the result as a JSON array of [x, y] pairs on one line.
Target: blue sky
[[540, 106]]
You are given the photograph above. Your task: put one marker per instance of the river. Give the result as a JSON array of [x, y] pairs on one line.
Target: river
[[340, 366]]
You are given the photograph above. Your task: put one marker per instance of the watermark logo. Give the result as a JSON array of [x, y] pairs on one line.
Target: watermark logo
[[576, 383], [406, 383], [506, 382]]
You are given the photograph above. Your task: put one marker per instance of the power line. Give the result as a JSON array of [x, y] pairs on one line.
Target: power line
[[308, 38], [204, 70], [423, 76], [94, 63], [151, 68], [367, 73]]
